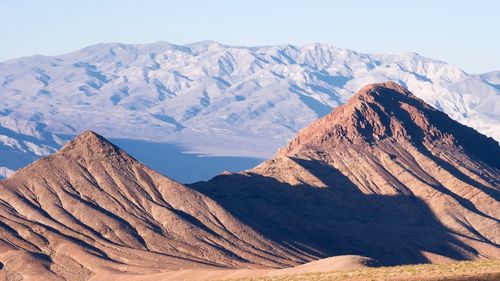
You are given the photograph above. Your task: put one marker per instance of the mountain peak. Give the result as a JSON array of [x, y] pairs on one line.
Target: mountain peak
[[388, 112], [389, 155], [390, 87], [89, 134], [90, 145], [375, 112], [91, 199]]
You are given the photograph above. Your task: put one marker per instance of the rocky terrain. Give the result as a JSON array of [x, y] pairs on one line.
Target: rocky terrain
[[384, 176], [91, 208], [385, 179]]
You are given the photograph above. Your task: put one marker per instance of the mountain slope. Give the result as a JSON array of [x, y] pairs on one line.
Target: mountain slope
[[251, 99], [384, 176], [91, 208]]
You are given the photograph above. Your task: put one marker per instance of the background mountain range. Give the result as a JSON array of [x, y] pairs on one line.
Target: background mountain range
[[211, 99]]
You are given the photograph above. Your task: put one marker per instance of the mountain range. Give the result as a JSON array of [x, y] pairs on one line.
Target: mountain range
[[385, 177], [241, 101]]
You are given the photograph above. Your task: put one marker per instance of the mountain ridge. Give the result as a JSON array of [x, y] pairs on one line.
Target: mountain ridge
[[375, 113], [351, 185], [91, 208], [258, 97], [375, 177]]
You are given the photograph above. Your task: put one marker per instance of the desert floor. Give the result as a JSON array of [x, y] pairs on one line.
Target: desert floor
[[335, 268]]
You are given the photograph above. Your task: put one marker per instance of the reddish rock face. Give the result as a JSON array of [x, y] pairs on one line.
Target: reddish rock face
[[386, 112], [385, 176], [91, 208]]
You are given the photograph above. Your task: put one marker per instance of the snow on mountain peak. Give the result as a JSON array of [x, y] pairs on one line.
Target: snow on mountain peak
[[244, 101]]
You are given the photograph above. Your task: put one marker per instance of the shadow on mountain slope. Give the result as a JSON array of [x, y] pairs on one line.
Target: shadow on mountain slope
[[337, 220]]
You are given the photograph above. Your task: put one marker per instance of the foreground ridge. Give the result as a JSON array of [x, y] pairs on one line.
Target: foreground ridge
[[91, 208]]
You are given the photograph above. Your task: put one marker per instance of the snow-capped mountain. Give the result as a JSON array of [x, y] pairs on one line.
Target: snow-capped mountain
[[216, 99], [22, 142]]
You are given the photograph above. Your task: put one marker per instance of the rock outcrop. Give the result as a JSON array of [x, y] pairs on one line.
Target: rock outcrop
[[384, 176], [90, 207]]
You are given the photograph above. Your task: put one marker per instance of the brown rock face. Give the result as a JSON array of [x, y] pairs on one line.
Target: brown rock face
[[91, 208], [384, 176], [387, 112]]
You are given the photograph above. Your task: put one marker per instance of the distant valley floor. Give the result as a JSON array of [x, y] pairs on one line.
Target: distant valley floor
[[172, 161]]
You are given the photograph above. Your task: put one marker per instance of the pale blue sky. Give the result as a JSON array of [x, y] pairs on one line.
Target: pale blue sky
[[464, 33]]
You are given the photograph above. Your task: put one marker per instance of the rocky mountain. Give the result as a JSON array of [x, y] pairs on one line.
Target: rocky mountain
[[91, 208], [385, 176], [250, 99], [385, 179]]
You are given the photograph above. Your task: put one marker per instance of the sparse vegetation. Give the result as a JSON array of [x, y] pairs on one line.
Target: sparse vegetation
[[483, 270]]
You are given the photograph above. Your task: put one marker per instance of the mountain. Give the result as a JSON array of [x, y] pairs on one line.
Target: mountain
[[384, 176], [384, 179], [91, 208], [250, 99], [22, 142]]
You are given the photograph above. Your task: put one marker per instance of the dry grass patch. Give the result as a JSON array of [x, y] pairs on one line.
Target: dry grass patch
[[487, 270]]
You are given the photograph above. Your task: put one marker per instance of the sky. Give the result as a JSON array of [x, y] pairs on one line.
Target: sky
[[463, 33]]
